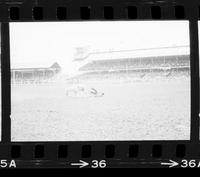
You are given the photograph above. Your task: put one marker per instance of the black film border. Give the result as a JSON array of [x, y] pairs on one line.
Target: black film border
[[118, 154]]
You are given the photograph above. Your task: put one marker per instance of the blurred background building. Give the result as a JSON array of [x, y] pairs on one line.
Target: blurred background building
[[37, 73], [166, 60]]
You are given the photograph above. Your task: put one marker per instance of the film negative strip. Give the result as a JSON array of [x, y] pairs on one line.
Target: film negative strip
[[99, 84]]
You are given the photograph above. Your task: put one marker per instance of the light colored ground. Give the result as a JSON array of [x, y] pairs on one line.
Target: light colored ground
[[154, 110]]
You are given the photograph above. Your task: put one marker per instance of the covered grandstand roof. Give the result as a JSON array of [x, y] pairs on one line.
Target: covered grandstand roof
[[33, 65], [137, 53]]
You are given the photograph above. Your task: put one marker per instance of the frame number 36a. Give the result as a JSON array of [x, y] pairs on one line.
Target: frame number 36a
[[190, 164], [98, 164]]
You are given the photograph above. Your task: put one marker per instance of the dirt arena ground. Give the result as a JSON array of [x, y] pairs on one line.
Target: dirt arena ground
[[155, 109]]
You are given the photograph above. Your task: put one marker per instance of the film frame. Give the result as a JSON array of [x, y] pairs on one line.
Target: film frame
[[127, 154]]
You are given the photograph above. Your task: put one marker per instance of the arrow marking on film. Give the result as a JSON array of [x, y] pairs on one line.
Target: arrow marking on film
[[81, 164], [171, 163]]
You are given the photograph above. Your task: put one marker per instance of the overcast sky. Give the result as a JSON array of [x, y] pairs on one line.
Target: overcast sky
[[47, 42]]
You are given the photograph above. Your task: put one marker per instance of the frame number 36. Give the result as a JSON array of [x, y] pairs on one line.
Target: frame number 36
[[98, 164]]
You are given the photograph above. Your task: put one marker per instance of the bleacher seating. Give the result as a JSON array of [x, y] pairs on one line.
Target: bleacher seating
[[137, 63]]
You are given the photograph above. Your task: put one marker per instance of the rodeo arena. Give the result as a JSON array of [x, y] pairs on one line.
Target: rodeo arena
[[140, 94]]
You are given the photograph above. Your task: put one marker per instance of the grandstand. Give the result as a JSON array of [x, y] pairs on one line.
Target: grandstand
[[165, 60], [22, 73]]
